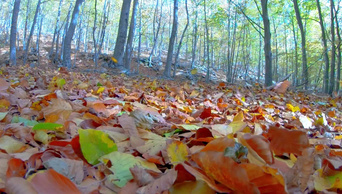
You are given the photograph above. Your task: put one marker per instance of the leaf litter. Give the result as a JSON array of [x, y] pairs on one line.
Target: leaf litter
[[65, 131]]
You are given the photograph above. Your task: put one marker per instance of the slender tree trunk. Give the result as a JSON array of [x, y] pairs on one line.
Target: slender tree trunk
[[295, 76], [96, 57], [26, 21], [129, 47], [31, 32], [167, 71], [181, 39], [194, 48], [305, 76], [333, 49], [267, 44], [65, 31], [13, 49], [207, 77], [325, 48], [139, 43], [155, 30], [70, 34], [338, 74], [122, 32]]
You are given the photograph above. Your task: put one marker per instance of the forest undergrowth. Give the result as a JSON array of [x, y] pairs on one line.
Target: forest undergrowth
[[83, 132]]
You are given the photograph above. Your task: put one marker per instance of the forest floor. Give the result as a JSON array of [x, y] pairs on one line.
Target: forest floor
[[83, 132]]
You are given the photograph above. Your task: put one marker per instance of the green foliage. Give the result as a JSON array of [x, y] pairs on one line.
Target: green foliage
[[95, 144]]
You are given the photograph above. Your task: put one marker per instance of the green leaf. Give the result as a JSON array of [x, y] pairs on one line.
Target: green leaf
[[99, 84], [169, 134], [60, 83], [47, 126], [237, 152], [94, 144], [121, 163]]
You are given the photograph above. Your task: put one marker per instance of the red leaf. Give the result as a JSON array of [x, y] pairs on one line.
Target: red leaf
[[206, 113], [261, 146], [16, 168]]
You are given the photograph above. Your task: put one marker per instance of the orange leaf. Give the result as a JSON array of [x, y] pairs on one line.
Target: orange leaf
[[16, 168], [287, 141], [52, 182], [260, 145], [224, 170], [267, 179], [281, 87], [219, 145]]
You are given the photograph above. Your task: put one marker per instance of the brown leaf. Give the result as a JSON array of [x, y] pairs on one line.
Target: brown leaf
[[287, 141], [161, 184], [19, 185]]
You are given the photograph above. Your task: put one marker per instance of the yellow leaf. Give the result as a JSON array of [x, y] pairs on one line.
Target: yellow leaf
[[41, 136], [292, 108], [100, 90], [194, 71], [194, 94], [103, 75], [238, 117], [114, 60], [177, 152]]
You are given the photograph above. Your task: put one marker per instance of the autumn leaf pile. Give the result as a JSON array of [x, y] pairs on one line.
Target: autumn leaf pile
[[66, 132]]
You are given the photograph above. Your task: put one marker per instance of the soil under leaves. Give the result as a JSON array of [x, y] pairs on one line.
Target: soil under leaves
[[72, 132]]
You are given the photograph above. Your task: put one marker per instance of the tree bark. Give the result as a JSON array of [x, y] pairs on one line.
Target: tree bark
[[31, 32], [167, 71], [13, 49], [305, 76], [267, 44], [325, 48], [181, 39], [129, 47], [70, 34], [333, 49], [338, 73], [122, 32]]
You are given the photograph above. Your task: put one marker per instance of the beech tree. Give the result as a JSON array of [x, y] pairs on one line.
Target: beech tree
[[69, 35], [13, 48], [167, 71], [119, 49]]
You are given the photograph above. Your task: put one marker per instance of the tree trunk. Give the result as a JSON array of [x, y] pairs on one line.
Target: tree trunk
[[129, 47], [31, 32], [167, 71], [207, 77], [333, 49], [122, 32], [26, 21], [305, 76], [181, 39], [194, 48], [295, 76], [139, 43], [70, 34], [96, 57], [13, 49], [338, 74], [267, 44], [325, 48]]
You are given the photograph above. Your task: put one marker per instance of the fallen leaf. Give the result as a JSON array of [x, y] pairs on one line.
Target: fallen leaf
[[94, 144]]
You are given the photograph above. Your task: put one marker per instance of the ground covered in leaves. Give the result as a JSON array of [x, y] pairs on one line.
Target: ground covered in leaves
[[66, 132]]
